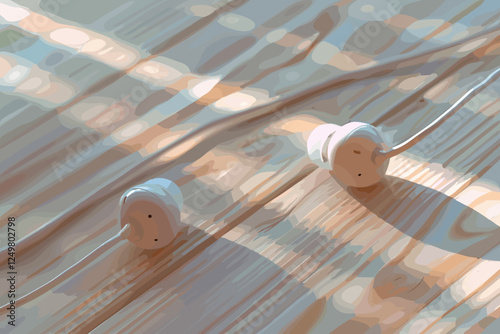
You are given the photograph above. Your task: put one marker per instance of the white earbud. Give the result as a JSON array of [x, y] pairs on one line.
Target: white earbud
[[149, 217], [352, 152], [356, 153], [152, 210]]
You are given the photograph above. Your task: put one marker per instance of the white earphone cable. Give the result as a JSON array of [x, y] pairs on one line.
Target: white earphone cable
[[71, 270], [441, 119]]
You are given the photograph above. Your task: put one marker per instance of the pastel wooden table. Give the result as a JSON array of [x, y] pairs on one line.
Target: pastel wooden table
[[218, 96]]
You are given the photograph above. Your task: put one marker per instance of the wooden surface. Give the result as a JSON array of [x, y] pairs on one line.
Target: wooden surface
[[218, 96]]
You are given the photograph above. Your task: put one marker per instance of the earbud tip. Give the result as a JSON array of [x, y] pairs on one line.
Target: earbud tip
[[317, 144], [352, 151]]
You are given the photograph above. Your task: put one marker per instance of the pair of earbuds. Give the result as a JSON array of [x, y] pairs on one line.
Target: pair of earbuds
[[150, 212]]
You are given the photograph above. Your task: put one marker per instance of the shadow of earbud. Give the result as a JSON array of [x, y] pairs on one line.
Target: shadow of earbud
[[431, 217]]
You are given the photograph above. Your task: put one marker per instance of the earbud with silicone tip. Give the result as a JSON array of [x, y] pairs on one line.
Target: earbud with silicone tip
[[356, 152], [152, 210], [352, 152], [149, 217]]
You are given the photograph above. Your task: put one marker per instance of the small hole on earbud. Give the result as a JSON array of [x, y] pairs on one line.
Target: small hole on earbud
[[357, 152], [149, 216], [156, 239], [359, 174]]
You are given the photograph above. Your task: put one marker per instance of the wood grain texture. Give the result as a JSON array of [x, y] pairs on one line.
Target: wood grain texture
[[219, 96]]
